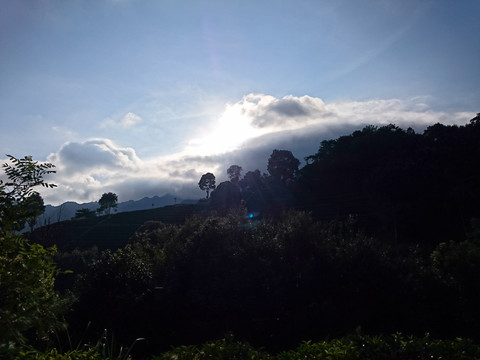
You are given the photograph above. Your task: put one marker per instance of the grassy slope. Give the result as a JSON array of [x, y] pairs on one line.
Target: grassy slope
[[110, 231]]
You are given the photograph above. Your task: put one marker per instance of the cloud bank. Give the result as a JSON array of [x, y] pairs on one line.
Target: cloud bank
[[245, 134]]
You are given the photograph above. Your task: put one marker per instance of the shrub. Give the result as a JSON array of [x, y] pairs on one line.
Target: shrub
[[224, 349]]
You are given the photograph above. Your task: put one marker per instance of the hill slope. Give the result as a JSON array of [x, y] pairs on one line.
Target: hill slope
[[106, 232], [67, 210]]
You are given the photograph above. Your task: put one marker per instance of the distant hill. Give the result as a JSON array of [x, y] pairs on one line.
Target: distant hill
[[108, 231], [67, 210]]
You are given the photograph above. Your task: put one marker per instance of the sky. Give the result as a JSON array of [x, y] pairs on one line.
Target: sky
[[142, 97]]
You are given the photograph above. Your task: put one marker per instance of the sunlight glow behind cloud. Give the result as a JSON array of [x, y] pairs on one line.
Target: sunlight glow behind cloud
[[226, 134], [244, 134]]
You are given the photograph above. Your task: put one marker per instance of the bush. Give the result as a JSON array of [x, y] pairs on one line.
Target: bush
[[394, 347], [224, 349]]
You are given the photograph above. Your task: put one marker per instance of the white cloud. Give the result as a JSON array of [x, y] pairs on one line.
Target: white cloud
[[245, 134], [289, 112], [76, 157], [85, 170], [128, 120]]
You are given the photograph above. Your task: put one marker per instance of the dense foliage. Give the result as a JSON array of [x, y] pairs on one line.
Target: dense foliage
[[403, 186], [275, 283], [353, 347], [29, 305], [19, 201]]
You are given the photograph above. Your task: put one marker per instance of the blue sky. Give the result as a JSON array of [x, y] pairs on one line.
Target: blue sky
[[142, 97]]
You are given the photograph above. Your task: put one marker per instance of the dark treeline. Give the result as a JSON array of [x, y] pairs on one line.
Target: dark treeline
[[378, 230], [403, 186], [400, 186]]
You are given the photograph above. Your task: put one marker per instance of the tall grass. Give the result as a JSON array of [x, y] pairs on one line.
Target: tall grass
[[104, 349]]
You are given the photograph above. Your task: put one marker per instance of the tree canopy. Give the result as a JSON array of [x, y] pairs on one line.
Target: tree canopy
[[283, 165], [207, 183], [107, 202], [226, 197], [23, 176], [403, 186], [234, 173], [29, 304]]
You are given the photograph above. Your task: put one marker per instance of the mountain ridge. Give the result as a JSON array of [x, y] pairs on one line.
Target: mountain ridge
[[67, 210]]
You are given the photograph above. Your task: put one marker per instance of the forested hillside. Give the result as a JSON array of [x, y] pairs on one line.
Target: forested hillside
[[378, 233], [402, 186]]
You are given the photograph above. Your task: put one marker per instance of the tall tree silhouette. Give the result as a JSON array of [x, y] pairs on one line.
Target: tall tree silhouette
[[107, 202], [207, 183]]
